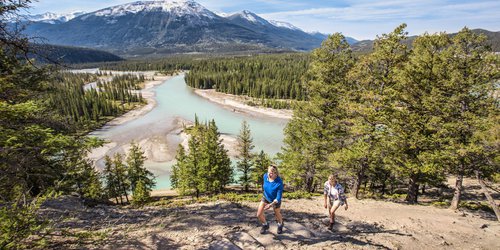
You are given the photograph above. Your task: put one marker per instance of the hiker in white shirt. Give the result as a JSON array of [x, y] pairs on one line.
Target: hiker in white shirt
[[334, 198]]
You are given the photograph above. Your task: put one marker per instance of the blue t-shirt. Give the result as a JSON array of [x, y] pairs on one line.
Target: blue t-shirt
[[272, 190]]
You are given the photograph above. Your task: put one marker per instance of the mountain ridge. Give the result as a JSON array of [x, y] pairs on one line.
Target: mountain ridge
[[170, 27]]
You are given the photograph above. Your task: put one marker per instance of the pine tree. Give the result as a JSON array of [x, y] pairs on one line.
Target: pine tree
[[318, 126], [207, 167], [110, 179], [245, 155], [414, 122], [261, 162], [136, 170], [141, 194], [468, 107], [120, 172], [371, 84], [216, 168], [187, 175]]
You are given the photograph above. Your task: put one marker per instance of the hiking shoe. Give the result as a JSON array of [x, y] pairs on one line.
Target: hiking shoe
[[330, 227], [264, 229], [280, 229]]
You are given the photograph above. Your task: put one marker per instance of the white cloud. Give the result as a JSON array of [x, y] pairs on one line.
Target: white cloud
[[366, 19]]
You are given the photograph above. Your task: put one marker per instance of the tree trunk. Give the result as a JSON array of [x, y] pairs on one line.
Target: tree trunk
[[490, 199], [423, 189], [126, 196], [309, 181], [359, 180], [412, 194], [458, 192]]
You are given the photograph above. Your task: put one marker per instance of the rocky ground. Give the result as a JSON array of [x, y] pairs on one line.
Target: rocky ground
[[367, 224]]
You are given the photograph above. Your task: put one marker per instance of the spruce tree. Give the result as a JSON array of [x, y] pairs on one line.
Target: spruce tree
[[136, 170], [121, 175], [216, 171], [245, 146], [110, 179], [141, 194], [206, 167]]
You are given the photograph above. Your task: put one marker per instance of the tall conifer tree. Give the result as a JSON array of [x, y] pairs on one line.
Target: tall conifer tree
[[319, 126], [245, 146]]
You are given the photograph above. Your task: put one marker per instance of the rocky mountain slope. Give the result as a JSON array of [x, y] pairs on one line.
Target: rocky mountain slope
[[170, 26]]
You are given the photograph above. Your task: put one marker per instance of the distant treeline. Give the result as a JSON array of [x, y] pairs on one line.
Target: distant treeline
[[87, 109], [263, 76], [46, 53]]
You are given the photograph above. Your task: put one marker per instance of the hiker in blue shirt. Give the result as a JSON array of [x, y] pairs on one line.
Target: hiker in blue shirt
[[334, 198], [273, 191]]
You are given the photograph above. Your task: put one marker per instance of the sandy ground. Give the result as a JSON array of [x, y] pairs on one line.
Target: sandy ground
[[367, 224], [237, 104]]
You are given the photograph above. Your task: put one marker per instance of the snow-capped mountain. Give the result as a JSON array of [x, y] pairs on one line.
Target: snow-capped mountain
[[283, 25], [177, 7], [52, 18], [249, 16], [172, 26]]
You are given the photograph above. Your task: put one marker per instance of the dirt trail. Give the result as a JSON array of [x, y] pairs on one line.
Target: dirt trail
[[223, 225]]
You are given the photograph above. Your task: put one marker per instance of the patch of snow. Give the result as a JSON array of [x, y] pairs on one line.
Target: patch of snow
[[281, 24], [178, 7], [52, 18], [221, 14], [250, 16]]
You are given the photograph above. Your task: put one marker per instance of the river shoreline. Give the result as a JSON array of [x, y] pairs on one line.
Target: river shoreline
[[160, 139], [237, 104]]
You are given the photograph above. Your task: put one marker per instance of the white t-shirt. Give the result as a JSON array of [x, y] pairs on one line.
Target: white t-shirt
[[335, 193]]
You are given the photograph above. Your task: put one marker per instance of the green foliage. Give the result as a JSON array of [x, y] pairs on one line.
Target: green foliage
[[19, 221], [136, 170], [87, 108], [261, 162], [140, 194], [474, 205], [262, 76], [396, 115], [245, 156], [207, 167], [318, 125], [121, 179], [299, 195], [441, 204]]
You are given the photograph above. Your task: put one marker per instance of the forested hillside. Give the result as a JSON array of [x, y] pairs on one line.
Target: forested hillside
[[46, 53]]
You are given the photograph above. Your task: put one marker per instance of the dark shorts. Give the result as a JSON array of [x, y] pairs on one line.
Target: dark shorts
[[276, 205]]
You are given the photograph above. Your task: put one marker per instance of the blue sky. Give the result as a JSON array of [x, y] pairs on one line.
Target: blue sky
[[361, 19]]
